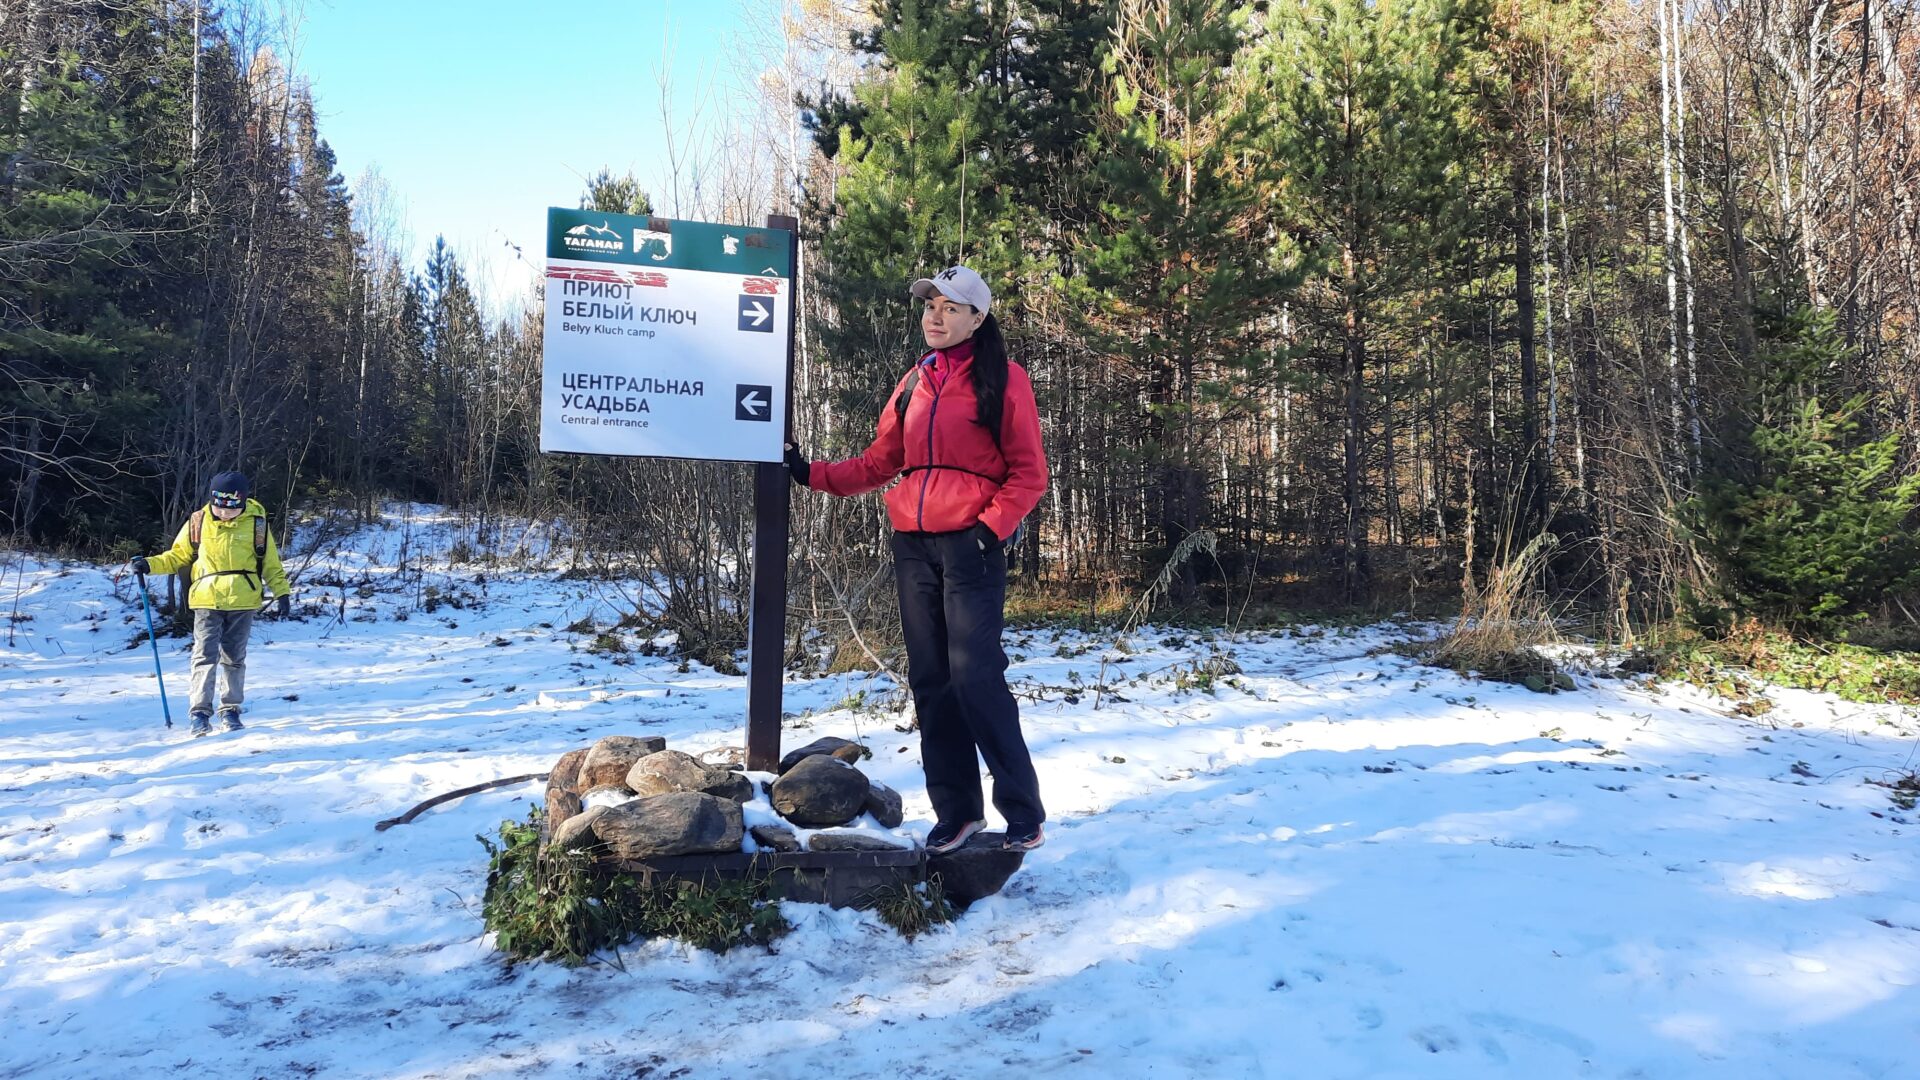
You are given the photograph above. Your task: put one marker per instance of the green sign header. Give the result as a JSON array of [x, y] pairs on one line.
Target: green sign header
[[667, 243]]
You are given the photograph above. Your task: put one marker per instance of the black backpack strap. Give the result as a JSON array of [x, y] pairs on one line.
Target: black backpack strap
[[906, 392], [260, 548]]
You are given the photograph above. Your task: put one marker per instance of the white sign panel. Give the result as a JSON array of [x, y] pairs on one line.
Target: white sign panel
[[656, 348]]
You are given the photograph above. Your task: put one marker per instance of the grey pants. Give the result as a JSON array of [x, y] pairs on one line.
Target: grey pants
[[220, 637]]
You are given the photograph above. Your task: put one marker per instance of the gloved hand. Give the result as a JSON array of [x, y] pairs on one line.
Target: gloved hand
[[139, 566], [986, 538], [797, 467], [283, 605]]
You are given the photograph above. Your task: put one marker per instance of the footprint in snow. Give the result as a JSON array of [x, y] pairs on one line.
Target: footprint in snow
[[1435, 1039], [1519, 1027]]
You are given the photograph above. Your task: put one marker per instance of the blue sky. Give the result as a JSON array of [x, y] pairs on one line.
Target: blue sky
[[480, 114]]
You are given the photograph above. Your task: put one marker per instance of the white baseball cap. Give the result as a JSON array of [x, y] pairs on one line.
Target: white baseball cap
[[956, 283]]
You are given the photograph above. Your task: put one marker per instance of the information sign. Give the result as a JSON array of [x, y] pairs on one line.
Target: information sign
[[665, 338]]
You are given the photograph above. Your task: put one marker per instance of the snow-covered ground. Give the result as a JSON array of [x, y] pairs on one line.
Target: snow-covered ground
[[1336, 863]]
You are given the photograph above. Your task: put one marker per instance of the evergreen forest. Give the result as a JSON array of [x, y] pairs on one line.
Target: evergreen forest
[[1363, 305]]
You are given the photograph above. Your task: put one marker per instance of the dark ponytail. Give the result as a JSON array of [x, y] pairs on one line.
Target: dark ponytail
[[990, 375]]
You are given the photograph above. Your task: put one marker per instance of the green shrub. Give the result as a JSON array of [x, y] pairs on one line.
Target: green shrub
[[1847, 671], [913, 909], [556, 905], [1852, 672], [1805, 518]]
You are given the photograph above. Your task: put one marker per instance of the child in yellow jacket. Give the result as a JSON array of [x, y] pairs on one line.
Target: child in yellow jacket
[[233, 560]]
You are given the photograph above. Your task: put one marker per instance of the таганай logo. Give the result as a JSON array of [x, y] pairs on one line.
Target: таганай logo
[[601, 237]]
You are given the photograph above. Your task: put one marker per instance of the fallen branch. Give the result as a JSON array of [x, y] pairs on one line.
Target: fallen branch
[[452, 795]]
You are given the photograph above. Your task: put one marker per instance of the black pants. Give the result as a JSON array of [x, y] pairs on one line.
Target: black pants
[[952, 606]]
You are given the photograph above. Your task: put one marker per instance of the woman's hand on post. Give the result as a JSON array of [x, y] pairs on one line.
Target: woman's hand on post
[[797, 467]]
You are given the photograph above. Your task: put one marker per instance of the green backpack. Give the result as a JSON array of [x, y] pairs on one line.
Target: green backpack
[[194, 524]]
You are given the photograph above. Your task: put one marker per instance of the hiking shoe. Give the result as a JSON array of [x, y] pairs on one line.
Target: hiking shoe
[[947, 836], [1023, 838], [202, 724], [231, 719]]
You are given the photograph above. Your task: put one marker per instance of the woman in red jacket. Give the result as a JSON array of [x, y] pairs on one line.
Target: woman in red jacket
[[961, 435]]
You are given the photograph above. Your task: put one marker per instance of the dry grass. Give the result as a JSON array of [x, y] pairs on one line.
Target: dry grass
[[1503, 623]]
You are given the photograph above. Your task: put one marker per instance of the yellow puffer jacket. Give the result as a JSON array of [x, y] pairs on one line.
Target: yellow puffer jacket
[[224, 577]]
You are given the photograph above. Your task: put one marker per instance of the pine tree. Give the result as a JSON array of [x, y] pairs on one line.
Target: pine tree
[[1519, 75], [1367, 120], [1182, 277], [454, 337], [924, 145], [1802, 509], [90, 180], [612, 194]]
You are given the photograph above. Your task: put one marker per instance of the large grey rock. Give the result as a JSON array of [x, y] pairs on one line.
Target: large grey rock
[[681, 823], [668, 771], [819, 792], [775, 838], [884, 804], [730, 785], [849, 841], [608, 761], [577, 831], [978, 869], [848, 752], [565, 773], [562, 805]]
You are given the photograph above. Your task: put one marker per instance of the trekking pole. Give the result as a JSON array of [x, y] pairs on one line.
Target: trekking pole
[[146, 605]]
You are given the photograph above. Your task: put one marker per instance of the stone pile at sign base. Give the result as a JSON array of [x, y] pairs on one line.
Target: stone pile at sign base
[[639, 807]]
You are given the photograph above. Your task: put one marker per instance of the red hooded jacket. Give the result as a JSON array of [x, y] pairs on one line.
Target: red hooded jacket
[[952, 476]]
